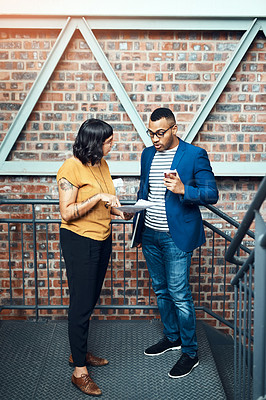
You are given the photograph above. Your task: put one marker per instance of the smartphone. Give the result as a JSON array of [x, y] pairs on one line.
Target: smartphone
[[168, 172]]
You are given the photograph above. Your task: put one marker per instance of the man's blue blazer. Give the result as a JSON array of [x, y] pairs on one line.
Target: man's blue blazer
[[182, 211]]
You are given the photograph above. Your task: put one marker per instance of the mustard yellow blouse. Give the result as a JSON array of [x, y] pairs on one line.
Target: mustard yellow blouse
[[90, 181]]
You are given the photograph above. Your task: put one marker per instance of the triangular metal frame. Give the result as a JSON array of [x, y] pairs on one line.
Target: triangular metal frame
[[222, 80], [132, 167], [48, 68]]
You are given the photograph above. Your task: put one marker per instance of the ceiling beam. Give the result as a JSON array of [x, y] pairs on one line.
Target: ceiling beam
[[127, 168], [136, 8], [184, 24]]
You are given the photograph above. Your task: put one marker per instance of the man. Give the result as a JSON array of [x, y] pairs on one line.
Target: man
[[171, 230]]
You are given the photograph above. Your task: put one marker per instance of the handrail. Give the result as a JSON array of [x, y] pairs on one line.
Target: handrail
[[33, 203], [240, 274], [245, 224], [227, 218], [46, 201], [224, 235], [212, 208]]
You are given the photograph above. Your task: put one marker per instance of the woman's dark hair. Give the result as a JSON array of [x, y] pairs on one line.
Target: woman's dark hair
[[88, 146]]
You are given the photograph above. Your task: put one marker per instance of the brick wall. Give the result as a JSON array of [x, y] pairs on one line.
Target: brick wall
[[175, 69]]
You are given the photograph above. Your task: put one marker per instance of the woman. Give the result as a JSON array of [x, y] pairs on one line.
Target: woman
[[86, 199]]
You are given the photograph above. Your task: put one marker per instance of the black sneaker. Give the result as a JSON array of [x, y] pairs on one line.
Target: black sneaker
[[162, 346], [184, 366]]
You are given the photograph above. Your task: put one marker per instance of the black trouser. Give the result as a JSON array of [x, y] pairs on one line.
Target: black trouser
[[86, 263]]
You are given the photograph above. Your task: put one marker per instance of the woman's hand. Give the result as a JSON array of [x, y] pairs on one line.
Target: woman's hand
[[121, 214], [109, 200], [126, 216]]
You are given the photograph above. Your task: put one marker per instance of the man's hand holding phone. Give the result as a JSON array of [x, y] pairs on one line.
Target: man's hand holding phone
[[170, 172], [173, 182]]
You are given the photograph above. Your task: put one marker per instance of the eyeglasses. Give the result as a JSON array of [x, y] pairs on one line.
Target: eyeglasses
[[158, 134]]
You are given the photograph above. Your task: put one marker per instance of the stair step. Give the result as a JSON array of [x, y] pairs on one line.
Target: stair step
[[222, 347]]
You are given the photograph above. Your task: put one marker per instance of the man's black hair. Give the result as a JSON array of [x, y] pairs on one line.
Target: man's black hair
[[162, 112]]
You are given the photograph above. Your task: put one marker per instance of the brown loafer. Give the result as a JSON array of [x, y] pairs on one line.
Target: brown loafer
[[91, 360], [86, 385]]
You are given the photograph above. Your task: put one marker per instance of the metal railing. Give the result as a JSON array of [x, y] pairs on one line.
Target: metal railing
[[34, 259], [250, 305], [33, 272]]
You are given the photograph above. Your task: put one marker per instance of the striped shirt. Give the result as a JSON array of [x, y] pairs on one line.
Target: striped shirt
[[155, 216]]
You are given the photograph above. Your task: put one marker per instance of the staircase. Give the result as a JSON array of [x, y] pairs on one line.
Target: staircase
[[34, 355]]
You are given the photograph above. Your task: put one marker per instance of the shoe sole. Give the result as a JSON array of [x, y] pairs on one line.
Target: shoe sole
[[158, 354], [182, 376], [88, 394]]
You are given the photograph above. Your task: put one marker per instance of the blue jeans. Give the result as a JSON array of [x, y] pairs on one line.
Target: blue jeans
[[169, 270]]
